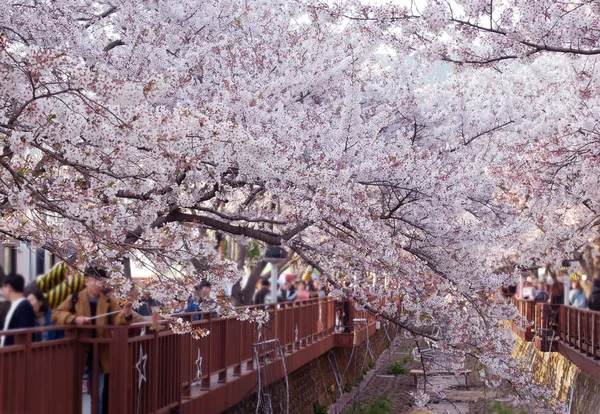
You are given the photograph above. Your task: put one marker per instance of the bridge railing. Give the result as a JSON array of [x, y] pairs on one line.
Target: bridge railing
[[150, 372], [527, 309], [579, 328]]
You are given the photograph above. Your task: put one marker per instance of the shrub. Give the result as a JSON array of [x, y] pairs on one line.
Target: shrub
[[319, 409], [498, 408], [382, 405], [397, 369]]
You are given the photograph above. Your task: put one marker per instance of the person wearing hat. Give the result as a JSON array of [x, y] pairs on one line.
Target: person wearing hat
[[92, 307], [576, 295], [202, 302], [287, 292]]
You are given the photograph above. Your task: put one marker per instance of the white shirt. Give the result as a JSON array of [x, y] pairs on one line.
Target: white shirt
[[13, 306], [529, 292], [281, 279]]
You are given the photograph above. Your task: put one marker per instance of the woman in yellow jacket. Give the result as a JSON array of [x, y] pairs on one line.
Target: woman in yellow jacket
[[92, 307]]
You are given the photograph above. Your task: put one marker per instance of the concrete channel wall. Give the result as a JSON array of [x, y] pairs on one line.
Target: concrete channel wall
[[575, 387]]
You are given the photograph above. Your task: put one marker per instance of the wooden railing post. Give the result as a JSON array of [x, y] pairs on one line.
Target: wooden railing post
[[222, 377], [237, 369], [594, 343], [206, 381], [78, 364], [561, 319], [28, 366], [275, 322], [578, 343], [119, 388], [567, 325], [154, 386]]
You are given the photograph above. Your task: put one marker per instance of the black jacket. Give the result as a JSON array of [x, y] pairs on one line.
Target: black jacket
[[260, 296], [594, 300], [23, 317]]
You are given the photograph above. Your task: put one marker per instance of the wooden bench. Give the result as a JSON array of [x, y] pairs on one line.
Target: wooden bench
[[417, 372]]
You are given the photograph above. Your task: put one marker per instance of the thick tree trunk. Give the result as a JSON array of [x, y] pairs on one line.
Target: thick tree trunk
[[244, 296]]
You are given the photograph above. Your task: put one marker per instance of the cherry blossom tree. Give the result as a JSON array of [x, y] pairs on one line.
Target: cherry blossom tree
[[424, 143]]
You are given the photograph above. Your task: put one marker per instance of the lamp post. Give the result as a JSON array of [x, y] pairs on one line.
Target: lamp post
[[564, 269], [274, 255]]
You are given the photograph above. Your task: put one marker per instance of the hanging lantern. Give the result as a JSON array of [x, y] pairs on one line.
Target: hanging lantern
[[275, 253]]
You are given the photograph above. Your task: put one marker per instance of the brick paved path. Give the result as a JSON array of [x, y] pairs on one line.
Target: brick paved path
[[397, 388], [376, 383]]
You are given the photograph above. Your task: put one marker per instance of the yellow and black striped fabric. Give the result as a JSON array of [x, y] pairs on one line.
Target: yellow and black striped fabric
[[53, 278], [57, 295]]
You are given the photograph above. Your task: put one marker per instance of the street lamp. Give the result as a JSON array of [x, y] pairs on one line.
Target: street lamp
[[566, 280], [275, 255]]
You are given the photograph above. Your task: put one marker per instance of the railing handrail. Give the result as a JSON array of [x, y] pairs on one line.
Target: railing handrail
[[573, 329], [537, 302], [163, 321], [227, 351], [583, 310]]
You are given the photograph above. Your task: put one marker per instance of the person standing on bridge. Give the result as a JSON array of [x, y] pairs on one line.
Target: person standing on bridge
[[262, 296], [594, 301], [201, 301], [576, 294], [92, 307], [20, 314], [43, 314]]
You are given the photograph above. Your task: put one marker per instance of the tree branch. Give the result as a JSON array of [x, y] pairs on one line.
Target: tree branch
[[113, 44], [536, 46], [267, 237]]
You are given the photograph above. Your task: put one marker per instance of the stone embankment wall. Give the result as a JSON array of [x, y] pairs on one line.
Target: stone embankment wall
[[313, 386], [555, 369]]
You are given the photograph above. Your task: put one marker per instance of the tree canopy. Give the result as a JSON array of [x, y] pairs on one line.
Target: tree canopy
[[424, 142]]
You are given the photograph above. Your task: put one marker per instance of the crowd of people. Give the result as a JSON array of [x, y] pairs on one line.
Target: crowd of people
[[552, 290], [290, 288], [93, 306], [27, 307]]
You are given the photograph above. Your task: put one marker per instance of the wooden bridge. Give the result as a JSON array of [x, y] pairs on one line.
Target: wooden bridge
[[154, 371], [573, 332]]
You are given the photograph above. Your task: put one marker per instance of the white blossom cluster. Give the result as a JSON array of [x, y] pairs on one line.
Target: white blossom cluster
[[258, 316], [181, 327]]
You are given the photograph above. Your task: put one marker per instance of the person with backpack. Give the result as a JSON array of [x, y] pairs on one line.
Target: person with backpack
[[92, 307]]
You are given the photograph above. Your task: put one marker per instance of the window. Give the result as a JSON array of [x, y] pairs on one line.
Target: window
[[40, 256], [10, 259]]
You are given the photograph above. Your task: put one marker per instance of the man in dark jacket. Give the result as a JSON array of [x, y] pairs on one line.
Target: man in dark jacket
[[261, 295], [21, 314], [594, 300]]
